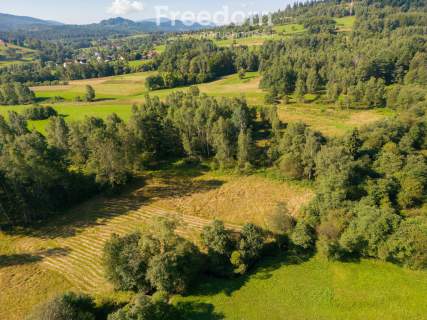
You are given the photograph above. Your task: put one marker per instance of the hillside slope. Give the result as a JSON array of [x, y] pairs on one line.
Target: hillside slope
[[11, 22]]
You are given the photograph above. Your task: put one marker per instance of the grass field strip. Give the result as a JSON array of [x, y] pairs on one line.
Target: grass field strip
[[80, 262]]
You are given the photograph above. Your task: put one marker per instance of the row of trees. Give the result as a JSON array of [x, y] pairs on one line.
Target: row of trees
[[39, 113], [158, 260], [15, 93], [41, 72]]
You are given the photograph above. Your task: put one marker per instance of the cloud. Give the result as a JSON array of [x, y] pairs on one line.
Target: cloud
[[123, 7]]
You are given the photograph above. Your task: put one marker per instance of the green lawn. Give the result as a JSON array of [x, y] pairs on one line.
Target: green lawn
[[315, 290]]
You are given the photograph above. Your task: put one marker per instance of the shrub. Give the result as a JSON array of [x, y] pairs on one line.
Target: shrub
[[155, 82], [90, 94], [40, 113], [145, 308], [251, 242], [408, 245], [281, 223], [303, 235], [219, 245], [68, 306]]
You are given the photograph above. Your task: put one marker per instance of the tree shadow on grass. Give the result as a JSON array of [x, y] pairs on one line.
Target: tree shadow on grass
[[26, 258], [198, 311], [168, 181], [18, 260], [263, 270]]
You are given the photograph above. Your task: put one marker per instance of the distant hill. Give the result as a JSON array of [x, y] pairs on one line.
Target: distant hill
[[11, 22], [52, 30], [150, 25]]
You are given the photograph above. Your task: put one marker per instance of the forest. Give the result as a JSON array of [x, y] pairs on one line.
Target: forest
[[369, 184]]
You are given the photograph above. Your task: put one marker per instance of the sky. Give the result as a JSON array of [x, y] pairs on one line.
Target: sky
[[89, 11]]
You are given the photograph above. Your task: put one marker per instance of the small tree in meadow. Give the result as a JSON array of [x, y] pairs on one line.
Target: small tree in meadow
[[90, 93]]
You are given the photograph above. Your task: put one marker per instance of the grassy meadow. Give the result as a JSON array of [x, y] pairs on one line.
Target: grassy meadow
[[285, 288], [344, 24], [66, 254], [117, 95], [27, 55]]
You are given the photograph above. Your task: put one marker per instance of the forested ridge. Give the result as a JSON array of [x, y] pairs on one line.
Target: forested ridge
[[370, 184]]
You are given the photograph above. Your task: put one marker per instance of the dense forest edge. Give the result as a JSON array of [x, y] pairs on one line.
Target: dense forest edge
[[370, 184]]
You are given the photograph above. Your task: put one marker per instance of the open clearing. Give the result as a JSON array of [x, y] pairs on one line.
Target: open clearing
[[289, 288], [241, 199], [344, 24], [68, 250], [66, 254], [118, 94]]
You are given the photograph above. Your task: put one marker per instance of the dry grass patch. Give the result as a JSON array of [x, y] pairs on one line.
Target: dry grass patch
[[240, 199], [331, 122], [25, 286], [67, 252]]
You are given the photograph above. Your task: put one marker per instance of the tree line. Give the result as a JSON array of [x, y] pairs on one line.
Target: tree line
[[15, 93], [48, 72], [35, 170], [194, 61]]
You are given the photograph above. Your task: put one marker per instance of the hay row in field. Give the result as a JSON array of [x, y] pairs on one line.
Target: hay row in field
[[79, 257]]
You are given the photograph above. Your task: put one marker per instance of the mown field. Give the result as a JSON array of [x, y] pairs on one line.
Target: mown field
[[118, 94], [66, 254]]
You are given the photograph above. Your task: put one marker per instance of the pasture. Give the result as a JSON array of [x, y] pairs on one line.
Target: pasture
[[117, 95], [344, 24]]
